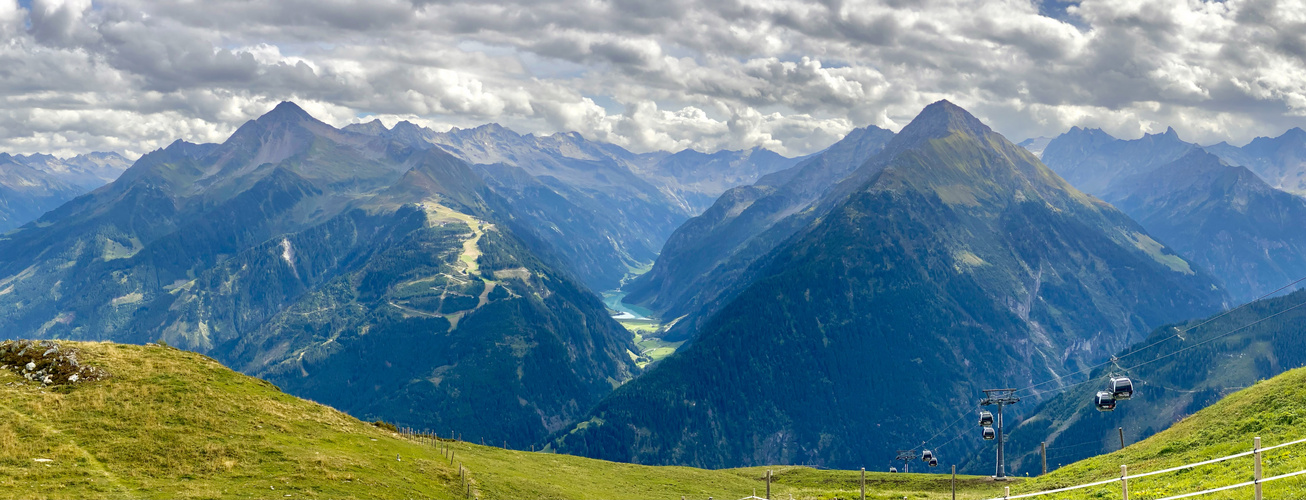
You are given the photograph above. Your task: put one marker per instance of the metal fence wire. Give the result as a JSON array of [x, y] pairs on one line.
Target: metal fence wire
[[1124, 478]]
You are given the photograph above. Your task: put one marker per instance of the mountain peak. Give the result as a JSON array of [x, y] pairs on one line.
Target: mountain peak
[[941, 119], [1168, 134], [1077, 130], [1295, 133], [286, 117], [943, 107], [374, 127], [405, 125], [286, 112], [494, 129]]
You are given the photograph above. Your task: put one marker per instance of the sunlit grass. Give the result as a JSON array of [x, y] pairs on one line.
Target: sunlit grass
[[173, 424], [1274, 409]]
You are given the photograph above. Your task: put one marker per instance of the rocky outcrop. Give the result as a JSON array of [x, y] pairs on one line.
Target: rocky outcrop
[[46, 362]]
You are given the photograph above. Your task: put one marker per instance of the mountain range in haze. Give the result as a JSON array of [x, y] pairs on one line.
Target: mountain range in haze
[[31, 185], [605, 209], [1224, 217]]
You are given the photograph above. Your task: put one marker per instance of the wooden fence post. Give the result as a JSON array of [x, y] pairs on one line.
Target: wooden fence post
[[1122, 437], [1256, 445], [1006, 491], [863, 483], [1043, 450], [954, 484], [768, 484], [1124, 481]]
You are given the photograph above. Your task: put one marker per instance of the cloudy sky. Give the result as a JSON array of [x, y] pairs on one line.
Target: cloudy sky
[[134, 75]]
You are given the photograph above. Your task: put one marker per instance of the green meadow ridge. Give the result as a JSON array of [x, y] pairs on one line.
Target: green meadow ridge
[[175, 424], [1273, 409]]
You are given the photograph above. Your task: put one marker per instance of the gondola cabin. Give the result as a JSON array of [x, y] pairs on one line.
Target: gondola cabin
[[893, 470], [1122, 388], [934, 463], [927, 455], [986, 419], [989, 435], [1104, 401]]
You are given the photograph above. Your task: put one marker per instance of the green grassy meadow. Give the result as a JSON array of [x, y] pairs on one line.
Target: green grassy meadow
[[174, 424], [1274, 410]]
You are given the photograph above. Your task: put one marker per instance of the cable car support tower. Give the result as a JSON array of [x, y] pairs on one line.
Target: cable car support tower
[[1001, 398], [907, 456]]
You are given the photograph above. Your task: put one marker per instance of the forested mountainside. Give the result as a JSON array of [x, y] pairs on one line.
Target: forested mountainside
[[387, 280], [708, 259], [961, 262], [1177, 371], [1222, 218]]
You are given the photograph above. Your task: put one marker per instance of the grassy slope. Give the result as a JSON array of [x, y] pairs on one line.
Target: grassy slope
[[518, 474], [174, 424], [1273, 409]]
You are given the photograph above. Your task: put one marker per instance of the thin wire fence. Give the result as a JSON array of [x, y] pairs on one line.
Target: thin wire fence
[[1124, 477]]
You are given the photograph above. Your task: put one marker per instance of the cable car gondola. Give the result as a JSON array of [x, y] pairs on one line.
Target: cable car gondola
[[1122, 388], [1104, 401], [893, 470], [927, 455], [986, 419], [989, 435], [934, 462]]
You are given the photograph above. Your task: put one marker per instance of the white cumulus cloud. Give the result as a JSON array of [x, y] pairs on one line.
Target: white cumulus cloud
[[790, 75]]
